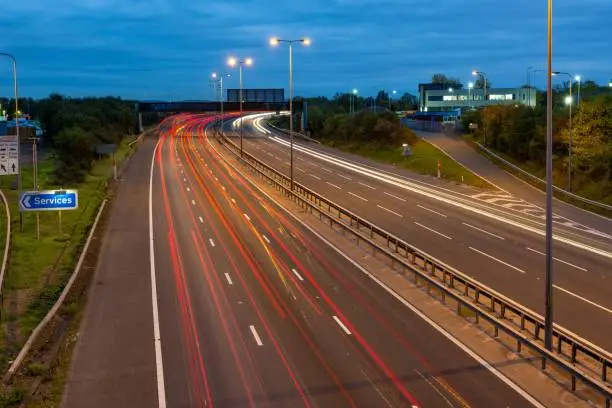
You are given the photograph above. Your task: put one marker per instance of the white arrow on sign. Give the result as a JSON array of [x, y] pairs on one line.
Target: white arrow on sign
[[26, 201]]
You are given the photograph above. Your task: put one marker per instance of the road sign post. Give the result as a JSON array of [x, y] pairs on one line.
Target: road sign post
[[49, 200]]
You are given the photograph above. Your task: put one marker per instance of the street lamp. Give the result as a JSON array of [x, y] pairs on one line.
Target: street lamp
[[352, 97], [392, 93], [17, 133], [568, 101], [274, 41], [484, 77], [232, 62], [219, 78], [470, 87], [577, 79]]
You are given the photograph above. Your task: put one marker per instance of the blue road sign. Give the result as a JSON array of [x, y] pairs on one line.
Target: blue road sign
[[50, 200]]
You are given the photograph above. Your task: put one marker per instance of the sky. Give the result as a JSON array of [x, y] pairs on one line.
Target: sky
[[167, 49]]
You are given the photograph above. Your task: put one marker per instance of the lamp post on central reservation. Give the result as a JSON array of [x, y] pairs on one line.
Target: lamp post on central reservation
[[274, 41], [232, 62]]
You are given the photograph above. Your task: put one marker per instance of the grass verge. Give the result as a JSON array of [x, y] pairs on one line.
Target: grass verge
[[424, 160], [40, 268]]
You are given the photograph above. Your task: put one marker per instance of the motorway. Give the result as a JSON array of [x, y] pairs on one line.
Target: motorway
[[498, 247], [253, 309]]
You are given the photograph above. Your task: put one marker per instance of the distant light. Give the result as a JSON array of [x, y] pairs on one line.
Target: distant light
[[577, 78], [450, 89], [470, 85], [394, 92], [568, 100], [355, 90], [274, 41], [248, 62], [474, 72], [405, 145], [232, 61], [214, 74], [306, 41]]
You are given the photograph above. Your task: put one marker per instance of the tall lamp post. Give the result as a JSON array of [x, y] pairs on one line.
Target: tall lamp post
[[232, 62], [219, 77], [578, 80], [548, 316], [274, 42], [470, 87], [353, 95], [392, 93], [484, 78], [568, 101], [15, 89]]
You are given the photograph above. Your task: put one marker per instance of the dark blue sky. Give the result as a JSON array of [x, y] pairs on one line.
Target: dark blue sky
[[163, 48]]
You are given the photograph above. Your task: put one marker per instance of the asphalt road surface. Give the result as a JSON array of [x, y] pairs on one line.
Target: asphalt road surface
[[255, 311], [497, 246]]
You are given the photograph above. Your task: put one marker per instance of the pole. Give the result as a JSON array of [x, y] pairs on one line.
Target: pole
[[221, 82], [35, 165], [578, 98], [291, 109], [548, 329], [240, 69], [569, 157]]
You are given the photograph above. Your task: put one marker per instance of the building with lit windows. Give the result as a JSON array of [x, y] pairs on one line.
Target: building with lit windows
[[438, 97]]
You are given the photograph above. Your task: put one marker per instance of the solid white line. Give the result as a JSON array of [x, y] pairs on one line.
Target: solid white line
[[159, 365], [296, 273], [317, 177], [432, 230], [560, 260], [201, 220], [228, 279], [247, 217], [359, 197], [342, 326], [590, 302], [414, 310], [212, 243], [391, 211], [365, 185], [333, 185], [498, 260], [193, 202], [188, 189], [394, 196], [430, 210], [266, 238], [344, 177], [485, 231], [256, 335]]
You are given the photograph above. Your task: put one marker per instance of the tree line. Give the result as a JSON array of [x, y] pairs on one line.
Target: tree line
[[73, 127]]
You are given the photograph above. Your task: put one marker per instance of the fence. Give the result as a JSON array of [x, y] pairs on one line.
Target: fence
[[580, 359]]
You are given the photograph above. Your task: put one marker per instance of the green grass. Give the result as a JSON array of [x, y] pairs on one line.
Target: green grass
[[424, 160], [39, 268]]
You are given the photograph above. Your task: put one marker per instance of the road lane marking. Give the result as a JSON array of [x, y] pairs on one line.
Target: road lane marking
[[560, 260], [394, 196], [430, 210], [201, 220], [342, 326], [256, 335], [159, 364], [312, 175], [287, 164], [436, 389], [498, 260], [185, 179], [590, 302], [333, 185], [247, 217], [359, 197], [344, 177], [296, 273], [216, 179], [277, 158], [228, 279], [302, 170], [365, 185], [270, 154], [432, 230], [485, 231], [223, 188], [212, 243], [391, 211], [299, 158], [188, 189], [193, 202], [326, 169], [266, 238], [233, 201]]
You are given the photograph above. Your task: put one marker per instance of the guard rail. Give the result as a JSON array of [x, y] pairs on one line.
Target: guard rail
[[576, 356]]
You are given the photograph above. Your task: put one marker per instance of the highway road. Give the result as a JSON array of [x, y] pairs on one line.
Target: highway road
[[253, 310], [498, 247]]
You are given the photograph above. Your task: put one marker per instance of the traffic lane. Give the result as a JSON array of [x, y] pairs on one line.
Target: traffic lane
[[451, 242], [358, 308], [573, 233], [295, 342], [199, 359]]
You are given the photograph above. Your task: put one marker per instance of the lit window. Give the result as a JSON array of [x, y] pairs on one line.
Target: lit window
[[509, 97], [450, 97]]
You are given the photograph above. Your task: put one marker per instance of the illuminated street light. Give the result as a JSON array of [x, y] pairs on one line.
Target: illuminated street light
[[232, 62], [484, 77], [578, 80], [274, 41], [392, 93], [219, 78]]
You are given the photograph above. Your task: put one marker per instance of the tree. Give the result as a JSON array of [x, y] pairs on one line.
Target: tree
[[446, 81], [408, 101], [74, 155], [382, 98]]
